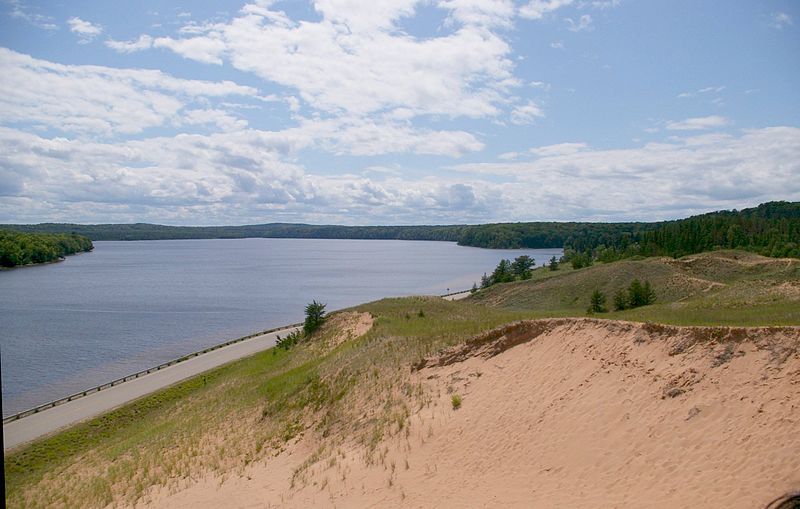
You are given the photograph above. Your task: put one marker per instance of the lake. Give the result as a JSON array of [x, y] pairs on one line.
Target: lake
[[127, 306]]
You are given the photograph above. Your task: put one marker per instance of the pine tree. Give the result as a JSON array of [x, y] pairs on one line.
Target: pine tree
[[315, 315], [521, 267], [502, 273], [620, 300], [553, 263], [597, 303]]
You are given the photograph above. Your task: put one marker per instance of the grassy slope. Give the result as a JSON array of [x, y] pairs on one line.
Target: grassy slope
[[243, 411], [250, 409], [717, 288]]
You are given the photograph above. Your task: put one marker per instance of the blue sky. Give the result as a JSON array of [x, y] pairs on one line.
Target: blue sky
[[396, 111]]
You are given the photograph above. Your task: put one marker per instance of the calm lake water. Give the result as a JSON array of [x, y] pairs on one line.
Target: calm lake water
[[128, 306]]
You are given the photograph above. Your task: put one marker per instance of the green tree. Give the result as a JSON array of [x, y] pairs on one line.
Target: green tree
[[521, 267], [640, 294], [486, 282], [620, 300], [315, 316], [636, 294], [553, 265], [502, 273], [597, 303]]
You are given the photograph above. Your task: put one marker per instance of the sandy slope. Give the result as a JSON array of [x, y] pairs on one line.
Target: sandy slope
[[566, 413]]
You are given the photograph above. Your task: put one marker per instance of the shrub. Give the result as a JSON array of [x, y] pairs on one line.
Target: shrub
[[455, 399]]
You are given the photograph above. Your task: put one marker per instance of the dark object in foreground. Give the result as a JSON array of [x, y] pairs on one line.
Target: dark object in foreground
[[788, 501]]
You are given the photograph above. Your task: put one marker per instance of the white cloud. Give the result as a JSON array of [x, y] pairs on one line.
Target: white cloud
[[85, 99], [655, 181], [605, 4], [698, 123], [206, 49], [21, 11], [356, 60], [526, 113], [704, 90], [557, 45], [234, 177], [583, 24], [559, 149], [142, 43], [780, 20], [488, 13], [248, 176], [84, 29], [537, 9]]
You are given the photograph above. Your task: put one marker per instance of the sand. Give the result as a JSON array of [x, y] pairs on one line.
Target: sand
[[565, 413]]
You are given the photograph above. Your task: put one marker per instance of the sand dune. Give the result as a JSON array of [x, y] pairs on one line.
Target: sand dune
[[564, 413]]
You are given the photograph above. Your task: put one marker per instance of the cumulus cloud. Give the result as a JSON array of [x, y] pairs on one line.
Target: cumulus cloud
[[85, 30], [698, 123], [86, 99], [234, 176], [357, 61], [656, 181], [251, 176], [142, 43]]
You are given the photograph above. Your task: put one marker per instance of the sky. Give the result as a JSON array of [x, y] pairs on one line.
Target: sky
[[395, 111]]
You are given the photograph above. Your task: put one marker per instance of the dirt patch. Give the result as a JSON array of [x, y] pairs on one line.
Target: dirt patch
[[340, 327]]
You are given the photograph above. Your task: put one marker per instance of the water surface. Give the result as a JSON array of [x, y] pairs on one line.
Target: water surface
[[127, 306]]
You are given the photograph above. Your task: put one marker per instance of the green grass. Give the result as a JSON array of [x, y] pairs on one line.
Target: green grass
[[252, 408], [258, 404], [718, 288]]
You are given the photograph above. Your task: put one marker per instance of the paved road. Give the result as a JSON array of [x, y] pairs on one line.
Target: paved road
[[457, 296], [50, 420]]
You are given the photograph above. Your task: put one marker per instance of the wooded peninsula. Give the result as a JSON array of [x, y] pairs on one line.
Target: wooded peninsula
[[18, 248]]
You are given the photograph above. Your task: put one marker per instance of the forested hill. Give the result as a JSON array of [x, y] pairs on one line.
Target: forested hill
[[503, 235], [17, 248], [771, 229]]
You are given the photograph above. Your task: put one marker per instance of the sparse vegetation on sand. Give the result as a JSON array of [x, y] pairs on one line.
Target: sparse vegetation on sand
[[714, 288], [350, 382]]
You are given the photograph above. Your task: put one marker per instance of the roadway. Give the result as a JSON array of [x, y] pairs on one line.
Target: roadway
[[53, 419]]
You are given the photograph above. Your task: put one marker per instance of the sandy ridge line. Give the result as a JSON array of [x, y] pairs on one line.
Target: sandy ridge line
[[498, 340]]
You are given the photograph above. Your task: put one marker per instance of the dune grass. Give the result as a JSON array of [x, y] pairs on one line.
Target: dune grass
[[247, 410], [717, 288], [226, 418]]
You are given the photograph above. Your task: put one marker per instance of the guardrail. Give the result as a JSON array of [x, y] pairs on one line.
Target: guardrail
[[136, 375]]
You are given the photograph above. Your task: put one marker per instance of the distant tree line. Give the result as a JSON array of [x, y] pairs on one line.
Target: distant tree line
[[771, 229], [18, 248]]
